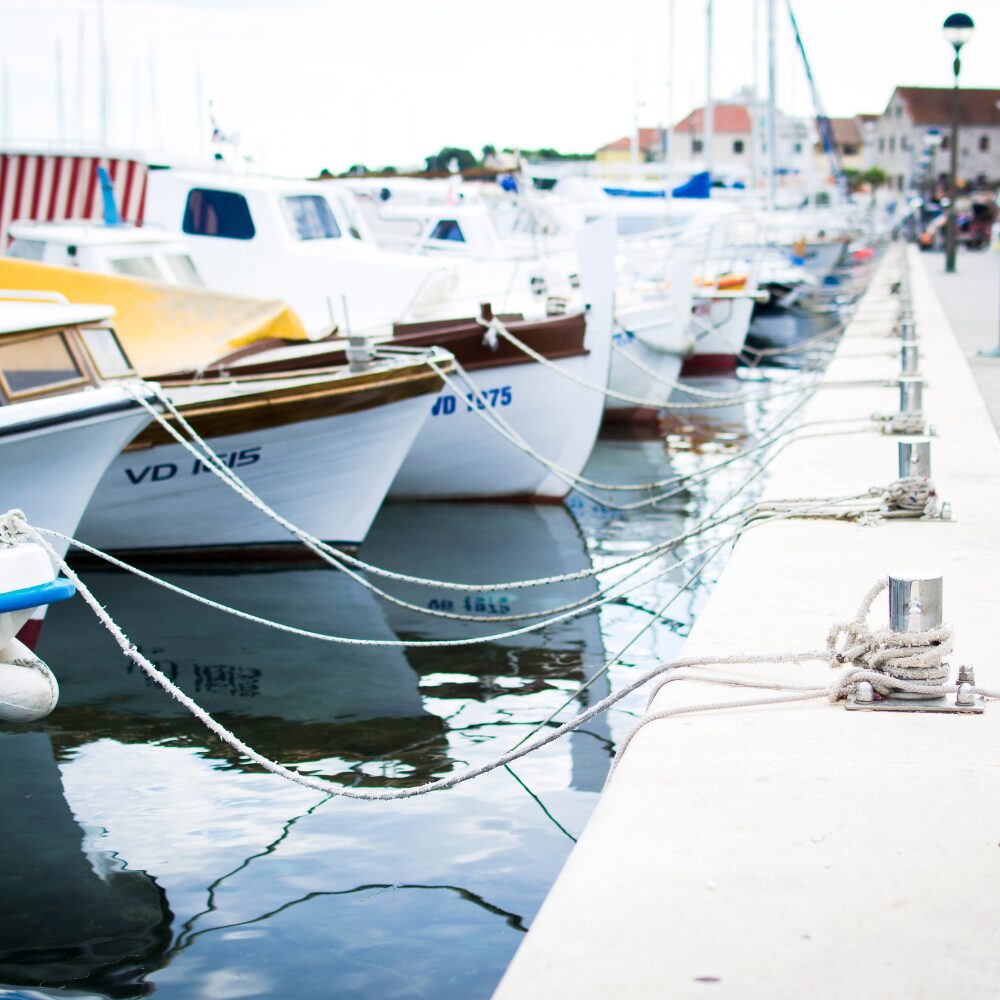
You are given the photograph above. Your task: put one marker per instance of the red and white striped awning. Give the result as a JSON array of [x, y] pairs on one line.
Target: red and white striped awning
[[56, 186]]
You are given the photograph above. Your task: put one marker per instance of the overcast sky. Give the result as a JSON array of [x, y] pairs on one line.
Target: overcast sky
[[313, 83]]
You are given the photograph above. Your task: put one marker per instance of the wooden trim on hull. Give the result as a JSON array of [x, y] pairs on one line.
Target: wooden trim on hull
[[278, 407], [709, 364], [556, 337]]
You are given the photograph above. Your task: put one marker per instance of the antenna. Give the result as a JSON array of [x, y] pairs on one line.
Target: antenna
[[154, 117], [60, 93], [78, 112], [708, 125], [102, 49], [5, 108]]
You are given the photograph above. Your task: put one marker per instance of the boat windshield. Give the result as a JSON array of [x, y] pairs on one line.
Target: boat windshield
[[183, 269], [37, 364], [106, 352], [310, 217], [27, 249], [137, 267]]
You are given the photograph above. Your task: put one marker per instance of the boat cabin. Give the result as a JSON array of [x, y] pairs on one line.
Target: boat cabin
[[152, 254], [53, 348], [300, 241]]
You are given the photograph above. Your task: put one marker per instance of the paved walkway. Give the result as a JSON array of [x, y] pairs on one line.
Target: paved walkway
[[971, 301]]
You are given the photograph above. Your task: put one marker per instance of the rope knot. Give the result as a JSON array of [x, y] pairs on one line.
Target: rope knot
[[911, 495], [912, 662], [901, 423], [13, 528]]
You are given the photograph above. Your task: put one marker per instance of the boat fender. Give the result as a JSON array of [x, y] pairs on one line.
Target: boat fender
[[28, 689]]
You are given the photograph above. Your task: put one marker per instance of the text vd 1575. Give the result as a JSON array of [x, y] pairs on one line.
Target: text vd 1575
[[447, 404]]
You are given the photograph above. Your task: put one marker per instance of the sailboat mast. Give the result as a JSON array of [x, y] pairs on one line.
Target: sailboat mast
[[772, 109], [102, 56], [671, 23], [708, 132]]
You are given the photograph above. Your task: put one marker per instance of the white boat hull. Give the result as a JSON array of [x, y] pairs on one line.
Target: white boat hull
[[51, 472], [458, 455], [327, 476]]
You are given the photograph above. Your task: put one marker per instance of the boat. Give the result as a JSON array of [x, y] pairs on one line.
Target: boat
[[64, 411], [259, 339], [320, 448]]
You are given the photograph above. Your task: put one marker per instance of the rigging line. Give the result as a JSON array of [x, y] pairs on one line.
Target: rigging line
[[198, 447], [692, 578], [541, 805], [599, 602]]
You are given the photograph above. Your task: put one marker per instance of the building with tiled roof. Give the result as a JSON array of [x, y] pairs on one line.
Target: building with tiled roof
[[903, 140]]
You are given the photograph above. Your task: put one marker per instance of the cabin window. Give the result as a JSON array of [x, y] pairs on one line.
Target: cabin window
[[224, 214], [27, 249], [183, 269], [310, 217], [137, 267], [448, 229], [106, 352], [30, 365]]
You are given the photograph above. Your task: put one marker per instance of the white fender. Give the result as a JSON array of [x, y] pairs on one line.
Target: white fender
[[28, 689]]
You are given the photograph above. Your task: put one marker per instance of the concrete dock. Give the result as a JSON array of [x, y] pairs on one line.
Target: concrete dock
[[803, 849]]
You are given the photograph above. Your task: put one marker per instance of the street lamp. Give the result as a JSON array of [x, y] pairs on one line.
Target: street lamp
[[958, 29]]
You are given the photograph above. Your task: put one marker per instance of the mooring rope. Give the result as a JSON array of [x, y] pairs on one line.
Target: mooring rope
[[844, 685]]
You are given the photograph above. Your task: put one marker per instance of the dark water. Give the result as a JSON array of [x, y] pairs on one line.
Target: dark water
[[141, 856]]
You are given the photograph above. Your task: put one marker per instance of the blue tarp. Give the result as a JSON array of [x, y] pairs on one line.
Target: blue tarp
[[699, 186]]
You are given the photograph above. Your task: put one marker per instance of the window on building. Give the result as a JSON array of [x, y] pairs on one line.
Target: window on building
[[904, 143], [946, 142], [218, 213], [696, 145], [892, 144], [448, 229], [881, 145], [899, 110], [984, 144], [36, 364], [737, 146], [310, 217], [798, 147]]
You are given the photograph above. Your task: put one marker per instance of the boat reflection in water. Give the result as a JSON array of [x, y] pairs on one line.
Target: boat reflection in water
[[69, 915], [483, 543], [229, 882]]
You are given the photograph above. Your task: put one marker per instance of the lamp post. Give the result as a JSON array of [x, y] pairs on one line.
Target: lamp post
[[958, 29]]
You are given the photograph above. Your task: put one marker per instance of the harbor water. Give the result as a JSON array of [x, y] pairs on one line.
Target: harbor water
[[147, 858]]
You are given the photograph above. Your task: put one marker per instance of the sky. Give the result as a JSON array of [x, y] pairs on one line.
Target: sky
[[309, 84]]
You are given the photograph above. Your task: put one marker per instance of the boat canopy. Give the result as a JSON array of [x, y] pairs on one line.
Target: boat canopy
[[163, 327]]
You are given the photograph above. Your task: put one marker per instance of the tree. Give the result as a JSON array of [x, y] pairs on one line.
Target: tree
[[442, 159]]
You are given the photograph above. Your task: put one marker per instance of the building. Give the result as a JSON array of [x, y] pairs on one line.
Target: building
[[732, 129], [912, 137], [652, 143]]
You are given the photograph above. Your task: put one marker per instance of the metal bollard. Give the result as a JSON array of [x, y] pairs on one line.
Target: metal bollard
[[911, 394], [360, 353], [910, 357], [916, 603], [915, 459]]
